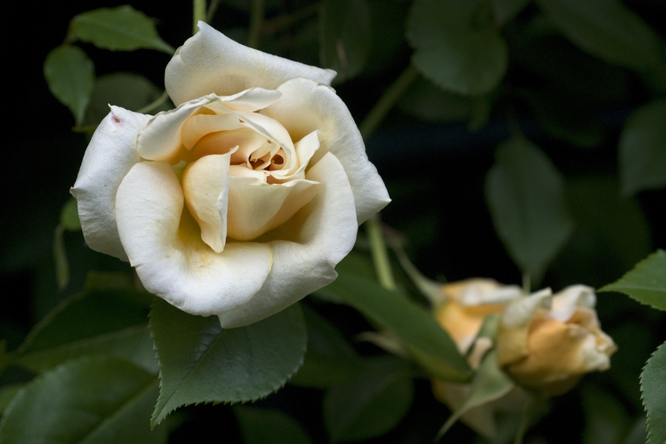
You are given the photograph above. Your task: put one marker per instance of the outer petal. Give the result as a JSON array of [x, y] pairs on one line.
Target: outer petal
[[307, 106], [323, 233], [210, 62], [109, 156], [167, 251]]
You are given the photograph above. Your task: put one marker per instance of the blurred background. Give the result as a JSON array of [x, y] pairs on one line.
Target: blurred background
[[433, 149]]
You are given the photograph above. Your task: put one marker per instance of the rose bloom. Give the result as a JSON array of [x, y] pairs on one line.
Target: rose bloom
[[465, 306], [242, 199], [548, 342]]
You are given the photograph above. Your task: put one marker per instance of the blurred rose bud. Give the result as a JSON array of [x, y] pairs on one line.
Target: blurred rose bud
[[548, 342], [465, 306]]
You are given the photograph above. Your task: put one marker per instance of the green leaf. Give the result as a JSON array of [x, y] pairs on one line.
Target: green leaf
[[70, 76], [344, 36], [636, 434], [643, 149], [329, 359], [489, 383], [428, 102], [7, 393], [110, 322], [654, 395], [357, 263], [261, 426], [611, 233], [69, 215], [118, 29], [608, 30], [87, 401], [201, 363], [524, 194], [372, 403], [606, 420], [456, 45], [130, 91], [506, 10], [646, 282], [413, 325]]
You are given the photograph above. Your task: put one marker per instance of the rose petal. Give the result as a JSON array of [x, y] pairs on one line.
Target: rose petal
[[321, 234], [110, 155], [206, 189], [164, 244], [256, 207], [568, 300], [307, 106], [210, 62], [161, 139]]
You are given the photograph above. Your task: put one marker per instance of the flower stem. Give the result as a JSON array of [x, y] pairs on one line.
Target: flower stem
[[386, 102], [373, 225], [256, 20], [199, 14], [380, 253], [211, 10]]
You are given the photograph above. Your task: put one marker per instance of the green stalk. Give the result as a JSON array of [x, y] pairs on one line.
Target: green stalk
[[373, 225], [256, 20], [386, 102], [380, 253], [160, 100], [199, 14]]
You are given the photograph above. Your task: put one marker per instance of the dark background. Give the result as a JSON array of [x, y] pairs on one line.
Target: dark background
[[434, 172]]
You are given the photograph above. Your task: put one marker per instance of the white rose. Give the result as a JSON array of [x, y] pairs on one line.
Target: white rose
[[244, 198]]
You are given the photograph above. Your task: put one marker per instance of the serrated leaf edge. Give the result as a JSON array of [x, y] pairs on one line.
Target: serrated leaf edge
[[647, 413]]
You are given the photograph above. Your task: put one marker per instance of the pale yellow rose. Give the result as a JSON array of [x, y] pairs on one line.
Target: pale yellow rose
[[243, 199], [465, 306], [548, 342]]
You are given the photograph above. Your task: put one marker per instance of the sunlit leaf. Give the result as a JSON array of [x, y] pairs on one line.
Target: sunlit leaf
[[87, 401], [344, 36], [70, 76], [261, 426], [111, 322], [202, 363], [456, 45], [370, 404], [643, 149], [607, 29], [413, 325], [525, 198], [122, 28], [646, 282], [654, 395]]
